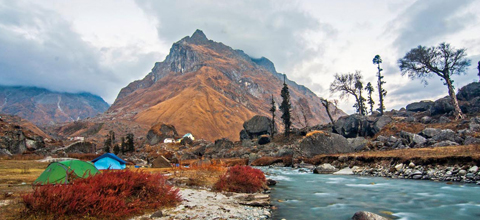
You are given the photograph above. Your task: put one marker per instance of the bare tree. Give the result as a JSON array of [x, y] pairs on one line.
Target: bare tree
[[350, 84], [443, 60], [328, 105]]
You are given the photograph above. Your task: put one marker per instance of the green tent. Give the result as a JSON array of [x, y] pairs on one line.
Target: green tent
[[63, 171]]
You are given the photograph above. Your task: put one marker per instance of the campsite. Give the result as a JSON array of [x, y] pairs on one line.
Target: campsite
[[19, 177]]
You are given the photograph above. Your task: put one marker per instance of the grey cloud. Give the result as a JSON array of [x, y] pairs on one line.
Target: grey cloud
[[273, 29], [39, 48], [428, 20]]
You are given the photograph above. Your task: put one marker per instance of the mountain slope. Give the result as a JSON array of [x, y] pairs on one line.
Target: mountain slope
[[209, 89], [43, 107]]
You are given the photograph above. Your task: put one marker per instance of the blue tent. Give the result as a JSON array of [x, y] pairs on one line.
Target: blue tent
[[109, 161]]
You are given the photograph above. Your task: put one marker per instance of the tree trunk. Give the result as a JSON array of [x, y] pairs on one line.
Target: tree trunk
[[380, 92], [451, 92], [326, 105], [359, 105]]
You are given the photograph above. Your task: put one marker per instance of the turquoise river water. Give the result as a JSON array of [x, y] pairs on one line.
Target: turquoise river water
[[300, 195]]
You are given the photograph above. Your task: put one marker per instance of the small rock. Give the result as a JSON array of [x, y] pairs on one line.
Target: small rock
[[411, 165], [344, 171], [271, 182], [473, 169], [363, 215], [325, 168], [157, 214], [462, 172], [399, 167]]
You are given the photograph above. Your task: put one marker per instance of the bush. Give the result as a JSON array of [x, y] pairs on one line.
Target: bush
[[112, 194], [242, 179]]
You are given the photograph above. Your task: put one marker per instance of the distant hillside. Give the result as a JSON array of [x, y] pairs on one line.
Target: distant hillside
[[209, 89], [44, 107]]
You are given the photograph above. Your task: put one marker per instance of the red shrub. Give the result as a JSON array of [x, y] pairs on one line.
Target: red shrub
[[112, 194], [241, 179]]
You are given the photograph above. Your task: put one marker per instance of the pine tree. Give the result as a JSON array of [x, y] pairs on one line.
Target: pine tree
[[123, 146], [478, 67], [116, 149], [107, 144], [381, 92], [361, 108], [370, 101], [272, 110], [285, 107], [130, 143]]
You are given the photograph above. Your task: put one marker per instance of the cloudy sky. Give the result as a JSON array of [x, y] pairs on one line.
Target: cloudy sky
[[101, 46]]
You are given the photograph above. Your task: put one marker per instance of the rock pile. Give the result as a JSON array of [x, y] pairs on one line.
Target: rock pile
[[431, 137], [466, 174]]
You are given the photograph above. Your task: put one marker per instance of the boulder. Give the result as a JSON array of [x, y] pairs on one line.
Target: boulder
[[426, 119], [445, 144], [161, 162], [325, 168], [324, 143], [444, 119], [264, 139], [244, 135], [159, 132], [430, 132], [363, 215], [473, 169], [352, 126], [420, 106], [358, 143], [445, 134], [223, 143], [80, 147], [471, 140], [257, 126], [442, 106], [411, 139], [469, 92], [186, 141], [381, 122]]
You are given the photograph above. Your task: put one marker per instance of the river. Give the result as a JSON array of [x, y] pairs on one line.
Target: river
[[300, 195]]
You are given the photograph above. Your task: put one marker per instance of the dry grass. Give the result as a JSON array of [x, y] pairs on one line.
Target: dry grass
[[396, 127], [266, 161], [316, 132], [16, 177], [431, 152]]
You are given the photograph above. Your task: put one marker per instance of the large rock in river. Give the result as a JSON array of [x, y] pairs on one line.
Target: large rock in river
[[324, 143], [363, 215]]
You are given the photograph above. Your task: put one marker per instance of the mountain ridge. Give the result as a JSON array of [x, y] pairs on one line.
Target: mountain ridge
[[45, 107]]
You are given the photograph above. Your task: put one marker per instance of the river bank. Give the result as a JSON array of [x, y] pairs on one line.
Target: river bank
[[447, 169], [204, 204]]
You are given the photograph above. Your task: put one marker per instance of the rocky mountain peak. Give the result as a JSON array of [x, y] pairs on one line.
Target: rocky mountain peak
[[198, 38], [209, 89]]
